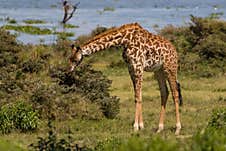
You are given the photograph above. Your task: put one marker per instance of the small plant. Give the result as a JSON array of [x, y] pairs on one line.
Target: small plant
[[32, 66], [52, 143], [218, 119], [110, 106], [210, 140], [19, 116], [12, 21], [138, 144], [215, 15]]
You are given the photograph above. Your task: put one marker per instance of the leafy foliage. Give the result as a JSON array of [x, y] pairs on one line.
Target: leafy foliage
[[210, 140], [32, 66], [201, 46], [19, 116], [52, 143], [138, 144], [218, 119], [92, 84]]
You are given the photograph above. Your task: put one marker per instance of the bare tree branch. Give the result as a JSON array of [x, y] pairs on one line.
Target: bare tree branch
[[67, 8]]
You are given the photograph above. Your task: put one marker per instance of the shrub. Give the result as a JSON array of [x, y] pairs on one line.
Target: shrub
[[210, 140], [218, 119], [52, 143], [139, 144], [8, 42], [92, 84], [12, 21], [26, 118], [19, 116], [110, 106], [201, 46], [212, 47], [6, 119], [32, 66]]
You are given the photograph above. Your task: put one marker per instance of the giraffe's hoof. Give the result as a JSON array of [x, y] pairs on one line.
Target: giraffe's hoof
[[178, 128], [177, 132], [136, 127], [161, 127], [141, 126], [159, 130]]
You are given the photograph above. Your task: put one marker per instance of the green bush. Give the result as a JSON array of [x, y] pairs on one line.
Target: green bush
[[92, 84], [19, 116], [110, 106], [213, 137], [53, 143], [9, 49], [201, 46], [31, 66], [139, 144], [6, 119], [218, 119], [210, 140]]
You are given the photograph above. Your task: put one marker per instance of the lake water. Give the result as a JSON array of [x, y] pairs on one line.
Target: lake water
[[90, 14]]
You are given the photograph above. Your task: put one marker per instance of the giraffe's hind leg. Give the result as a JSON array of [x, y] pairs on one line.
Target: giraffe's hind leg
[[172, 78], [160, 76]]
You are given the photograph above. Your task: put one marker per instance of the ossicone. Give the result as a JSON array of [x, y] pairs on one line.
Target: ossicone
[[72, 46]]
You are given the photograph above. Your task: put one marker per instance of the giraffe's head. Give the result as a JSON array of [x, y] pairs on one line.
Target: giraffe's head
[[76, 57]]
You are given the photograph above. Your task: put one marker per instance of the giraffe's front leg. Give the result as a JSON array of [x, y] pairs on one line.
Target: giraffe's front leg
[[138, 121]]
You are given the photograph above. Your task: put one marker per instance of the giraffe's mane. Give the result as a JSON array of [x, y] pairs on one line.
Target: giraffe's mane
[[111, 31]]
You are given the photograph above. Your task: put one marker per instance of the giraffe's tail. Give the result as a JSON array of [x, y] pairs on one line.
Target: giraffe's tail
[[180, 96]]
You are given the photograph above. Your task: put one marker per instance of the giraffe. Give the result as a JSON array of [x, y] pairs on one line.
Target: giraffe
[[143, 51]]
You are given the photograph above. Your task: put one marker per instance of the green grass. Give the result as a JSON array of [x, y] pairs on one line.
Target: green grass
[[109, 9], [28, 29], [6, 145], [70, 26], [34, 21], [65, 34], [36, 30]]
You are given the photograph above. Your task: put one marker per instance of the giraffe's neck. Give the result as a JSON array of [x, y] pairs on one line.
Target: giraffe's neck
[[115, 37]]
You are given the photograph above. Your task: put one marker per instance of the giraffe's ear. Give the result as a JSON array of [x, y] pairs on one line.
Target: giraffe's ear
[[77, 48], [72, 46]]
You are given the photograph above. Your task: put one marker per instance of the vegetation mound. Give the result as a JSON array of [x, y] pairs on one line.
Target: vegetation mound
[[201, 46], [40, 78]]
